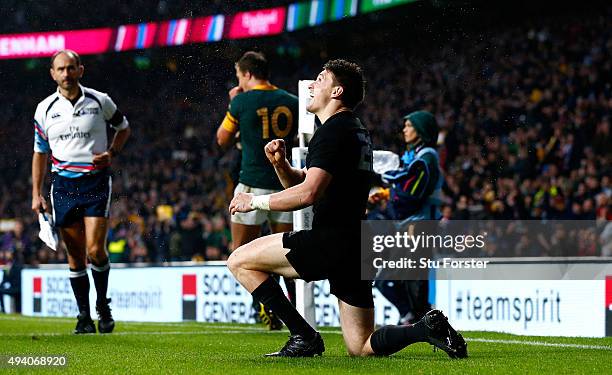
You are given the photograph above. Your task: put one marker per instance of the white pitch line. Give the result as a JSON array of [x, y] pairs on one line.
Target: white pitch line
[[46, 319], [192, 324], [542, 343], [128, 333], [155, 324], [243, 330]]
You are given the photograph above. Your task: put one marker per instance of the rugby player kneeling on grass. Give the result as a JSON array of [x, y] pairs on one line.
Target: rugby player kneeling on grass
[[336, 181]]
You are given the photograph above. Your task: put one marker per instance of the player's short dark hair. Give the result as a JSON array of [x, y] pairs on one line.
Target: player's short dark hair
[[350, 76], [254, 63], [70, 53]]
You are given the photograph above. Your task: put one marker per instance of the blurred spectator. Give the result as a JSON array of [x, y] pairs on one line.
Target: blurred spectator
[[118, 245], [11, 281], [188, 241], [14, 241]]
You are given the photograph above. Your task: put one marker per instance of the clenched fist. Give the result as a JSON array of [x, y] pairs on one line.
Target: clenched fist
[[275, 151]]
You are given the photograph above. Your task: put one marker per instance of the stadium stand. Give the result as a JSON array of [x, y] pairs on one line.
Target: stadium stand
[[524, 112]]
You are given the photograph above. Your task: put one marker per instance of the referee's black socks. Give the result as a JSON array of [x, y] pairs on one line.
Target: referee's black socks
[[100, 277], [391, 339], [271, 295], [80, 286]]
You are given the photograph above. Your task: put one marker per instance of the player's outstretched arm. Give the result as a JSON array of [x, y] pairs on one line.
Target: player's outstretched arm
[[277, 155]]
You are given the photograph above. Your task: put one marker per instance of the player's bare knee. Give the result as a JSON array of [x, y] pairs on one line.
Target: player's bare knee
[[99, 259], [231, 263], [97, 254], [357, 348], [235, 261], [357, 352], [77, 259], [78, 264]]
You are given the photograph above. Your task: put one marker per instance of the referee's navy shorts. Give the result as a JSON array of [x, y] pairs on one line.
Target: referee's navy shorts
[[75, 198], [331, 254]]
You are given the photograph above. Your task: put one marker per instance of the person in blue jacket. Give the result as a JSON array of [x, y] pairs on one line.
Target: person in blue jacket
[[415, 191]]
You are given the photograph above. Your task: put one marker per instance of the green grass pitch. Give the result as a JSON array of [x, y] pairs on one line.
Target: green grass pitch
[[206, 348]]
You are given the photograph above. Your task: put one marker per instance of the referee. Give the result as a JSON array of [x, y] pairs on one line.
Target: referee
[[336, 181], [71, 125]]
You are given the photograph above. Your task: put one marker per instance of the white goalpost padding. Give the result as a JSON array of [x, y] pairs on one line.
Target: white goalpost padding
[[306, 120], [302, 219]]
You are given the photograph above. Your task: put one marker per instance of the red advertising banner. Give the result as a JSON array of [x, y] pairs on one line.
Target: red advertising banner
[[85, 42], [257, 23], [174, 32], [207, 29], [608, 306], [135, 36], [609, 293]]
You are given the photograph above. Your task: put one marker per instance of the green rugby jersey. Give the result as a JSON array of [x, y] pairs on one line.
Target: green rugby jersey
[[262, 114]]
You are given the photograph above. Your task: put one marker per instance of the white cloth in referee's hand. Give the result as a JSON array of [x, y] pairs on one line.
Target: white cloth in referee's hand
[[47, 233]]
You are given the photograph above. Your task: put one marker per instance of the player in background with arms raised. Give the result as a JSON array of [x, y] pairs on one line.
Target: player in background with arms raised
[[261, 112], [71, 126]]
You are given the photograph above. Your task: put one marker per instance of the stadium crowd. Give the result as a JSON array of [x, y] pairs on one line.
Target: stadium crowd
[[524, 113]]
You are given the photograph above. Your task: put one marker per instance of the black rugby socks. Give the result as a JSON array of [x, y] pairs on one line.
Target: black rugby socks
[[100, 277], [391, 339], [80, 286], [271, 295]]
